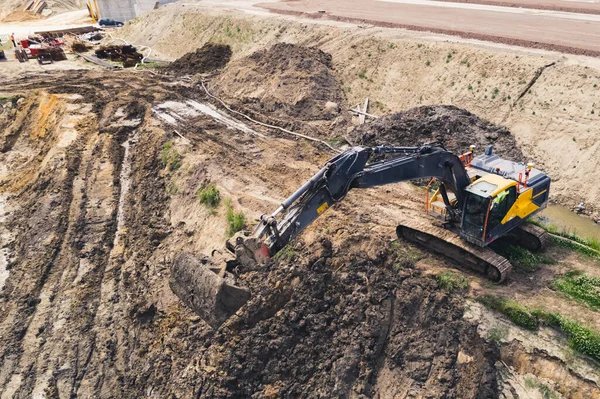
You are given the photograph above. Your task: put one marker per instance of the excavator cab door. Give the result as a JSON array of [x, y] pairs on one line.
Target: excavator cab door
[[474, 218], [483, 215]]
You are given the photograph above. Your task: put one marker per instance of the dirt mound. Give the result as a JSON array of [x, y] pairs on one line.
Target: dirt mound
[[454, 127], [310, 332], [128, 54], [208, 58], [282, 82]]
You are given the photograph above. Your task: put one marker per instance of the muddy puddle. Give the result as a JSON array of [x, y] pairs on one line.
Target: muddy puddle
[[565, 220]]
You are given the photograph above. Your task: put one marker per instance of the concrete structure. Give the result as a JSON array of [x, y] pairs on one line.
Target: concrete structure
[[124, 10]]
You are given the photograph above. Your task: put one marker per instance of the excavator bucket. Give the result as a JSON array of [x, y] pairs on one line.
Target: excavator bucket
[[207, 286]]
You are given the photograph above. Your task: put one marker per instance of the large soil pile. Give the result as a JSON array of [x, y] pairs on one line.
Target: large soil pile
[[311, 332], [454, 127], [208, 58], [286, 81]]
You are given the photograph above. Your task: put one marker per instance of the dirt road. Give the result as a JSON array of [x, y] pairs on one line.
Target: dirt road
[[569, 32], [585, 7]]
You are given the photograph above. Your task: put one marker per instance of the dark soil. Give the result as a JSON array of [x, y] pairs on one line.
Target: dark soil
[[128, 54], [284, 82], [454, 127], [208, 58], [79, 47], [309, 332]]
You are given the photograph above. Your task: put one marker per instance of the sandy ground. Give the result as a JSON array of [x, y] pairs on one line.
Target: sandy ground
[[71, 19]]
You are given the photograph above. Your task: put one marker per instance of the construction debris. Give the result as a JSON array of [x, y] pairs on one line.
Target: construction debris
[[127, 54], [79, 47]]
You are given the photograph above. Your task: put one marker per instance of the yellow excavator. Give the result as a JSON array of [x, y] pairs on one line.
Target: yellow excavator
[[477, 200]]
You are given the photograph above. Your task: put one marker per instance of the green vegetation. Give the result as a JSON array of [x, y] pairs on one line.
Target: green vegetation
[[498, 334], [520, 257], [336, 141], [172, 189], [516, 312], [209, 195], [362, 74], [149, 65], [450, 281], [407, 255], [428, 63], [581, 287], [392, 46], [286, 254], [546, 392], [581, 339], [448, 57], [236, 221], [590, 248], [170, 158]]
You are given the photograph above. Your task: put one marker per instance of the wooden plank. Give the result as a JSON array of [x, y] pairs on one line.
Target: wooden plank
[[362, 115], [98, 61]]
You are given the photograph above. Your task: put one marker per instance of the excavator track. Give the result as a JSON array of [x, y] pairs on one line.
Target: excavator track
[[531, 237], [448, 243]]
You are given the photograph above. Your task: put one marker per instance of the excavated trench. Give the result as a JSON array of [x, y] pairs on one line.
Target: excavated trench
[[98, 212]]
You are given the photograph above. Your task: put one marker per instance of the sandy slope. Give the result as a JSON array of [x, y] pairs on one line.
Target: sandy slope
[[556, 122]]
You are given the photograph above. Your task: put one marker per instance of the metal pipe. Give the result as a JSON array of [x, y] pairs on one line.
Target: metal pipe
[[305, 187]]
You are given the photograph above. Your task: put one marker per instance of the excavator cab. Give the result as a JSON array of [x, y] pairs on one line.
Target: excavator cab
[[495, 205]]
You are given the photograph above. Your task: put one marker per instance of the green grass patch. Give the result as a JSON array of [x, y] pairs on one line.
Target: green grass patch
[[581, 287], [287, 254], [209, 195], [451, 282], [236, 221], [520, 257], [498, 334], [169, 156], [336, 141], [405, 254], [516, 312], [545, 391], [581, 338], [589, 248]]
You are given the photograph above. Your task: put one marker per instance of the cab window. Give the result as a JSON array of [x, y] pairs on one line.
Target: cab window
[[500, 206]]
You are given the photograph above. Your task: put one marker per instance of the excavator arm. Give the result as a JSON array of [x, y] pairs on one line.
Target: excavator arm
[[349, 170]]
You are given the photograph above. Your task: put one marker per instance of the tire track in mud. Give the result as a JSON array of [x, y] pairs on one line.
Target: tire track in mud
[[52, 348]]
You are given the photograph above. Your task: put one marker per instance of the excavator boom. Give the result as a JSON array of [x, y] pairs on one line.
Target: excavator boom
[[351, 170]]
